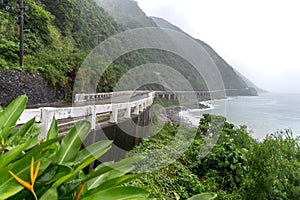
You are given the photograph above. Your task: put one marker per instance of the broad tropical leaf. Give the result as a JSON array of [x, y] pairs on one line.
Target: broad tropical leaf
[[60, 171], [24, 129], [78, 169], [53, 131], [101, 169], [95, 182], [50, 194], [71, 143], [110, 183], [12, 112], [39, 149], [124, 193], [91, 151]]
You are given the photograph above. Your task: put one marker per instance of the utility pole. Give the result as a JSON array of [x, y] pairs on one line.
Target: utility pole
[[4, 5], [22, 33]]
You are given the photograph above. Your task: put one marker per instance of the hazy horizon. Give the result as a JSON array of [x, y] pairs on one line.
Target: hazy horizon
[[259, 39]]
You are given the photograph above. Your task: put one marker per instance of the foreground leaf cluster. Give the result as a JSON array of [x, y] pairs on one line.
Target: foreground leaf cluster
[[60, 163]]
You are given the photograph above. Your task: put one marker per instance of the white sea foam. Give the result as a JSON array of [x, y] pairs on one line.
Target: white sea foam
[[187, 115]]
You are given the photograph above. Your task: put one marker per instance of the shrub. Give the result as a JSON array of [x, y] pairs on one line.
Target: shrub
[[173, 182], [225, 165], [274, 168]]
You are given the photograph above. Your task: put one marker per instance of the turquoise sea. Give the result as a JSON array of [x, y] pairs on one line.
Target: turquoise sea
[[264, 114]]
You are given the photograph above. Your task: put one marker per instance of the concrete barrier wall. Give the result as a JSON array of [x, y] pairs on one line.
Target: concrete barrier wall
[[101, 96], [125, 135], [45, 115]]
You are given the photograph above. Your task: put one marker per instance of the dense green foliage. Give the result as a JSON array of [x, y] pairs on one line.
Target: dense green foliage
[[60, 34], [274, 171], [238, 167], [52, 168]]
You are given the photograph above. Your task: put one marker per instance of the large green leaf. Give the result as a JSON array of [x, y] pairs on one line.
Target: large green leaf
[[69, 188], [37, 150], [13, 111], [78, 169], [12, 154], [5, 132], [91, 151], [203, 196], [25, 128], [124, 193], [53, 131], [71, 143], [54, 173], [112, 183], [51, 194], [95, 182], [101, 169]]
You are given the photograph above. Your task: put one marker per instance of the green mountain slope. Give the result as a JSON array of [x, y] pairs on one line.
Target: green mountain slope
[[234, 84], [58, 34], [126, 12]]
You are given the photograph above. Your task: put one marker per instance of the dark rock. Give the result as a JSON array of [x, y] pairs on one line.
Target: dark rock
[[16, 83]]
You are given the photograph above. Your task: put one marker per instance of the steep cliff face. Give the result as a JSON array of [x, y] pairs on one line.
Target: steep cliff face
[[16, 83]]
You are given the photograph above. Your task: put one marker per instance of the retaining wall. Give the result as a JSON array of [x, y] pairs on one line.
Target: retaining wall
[[16, 83]]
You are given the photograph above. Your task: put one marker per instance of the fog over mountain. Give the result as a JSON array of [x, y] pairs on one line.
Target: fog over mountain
[[258, 38], [123, 12]]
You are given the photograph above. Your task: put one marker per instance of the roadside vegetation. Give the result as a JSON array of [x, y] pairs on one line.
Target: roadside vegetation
[[58, 35], [238, 167]]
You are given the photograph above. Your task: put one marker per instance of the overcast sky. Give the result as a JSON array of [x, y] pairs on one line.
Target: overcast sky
[[259, 38]]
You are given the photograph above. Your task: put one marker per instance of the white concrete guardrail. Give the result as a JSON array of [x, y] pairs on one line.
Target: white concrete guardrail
[[45, 115], [102, 96]]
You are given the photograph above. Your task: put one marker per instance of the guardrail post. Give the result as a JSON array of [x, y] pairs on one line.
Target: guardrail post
[[91, 116], [47, 116], [114, 116], [136, 109], [127, 112]]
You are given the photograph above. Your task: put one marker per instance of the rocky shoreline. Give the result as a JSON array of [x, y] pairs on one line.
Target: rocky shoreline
[[173, 114]]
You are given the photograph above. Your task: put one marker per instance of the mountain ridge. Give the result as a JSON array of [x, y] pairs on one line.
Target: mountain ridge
[[220, 62], [234, 84]]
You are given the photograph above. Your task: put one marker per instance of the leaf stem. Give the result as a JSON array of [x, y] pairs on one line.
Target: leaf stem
[[35, 197], [80, 191]]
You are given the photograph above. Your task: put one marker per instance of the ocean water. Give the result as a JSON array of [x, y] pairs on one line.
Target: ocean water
[[264, 114]]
